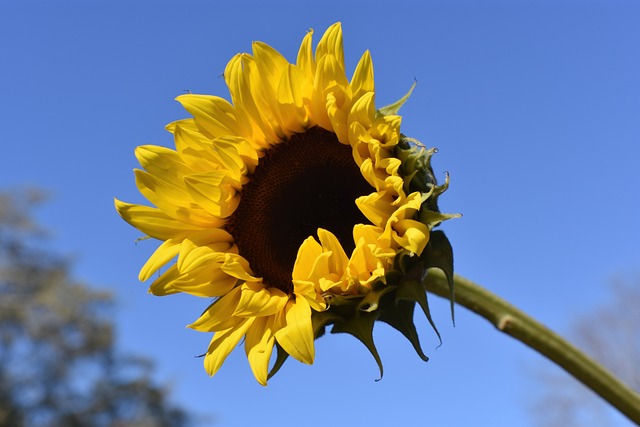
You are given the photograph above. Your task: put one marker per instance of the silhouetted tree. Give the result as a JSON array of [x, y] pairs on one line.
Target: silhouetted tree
[[58, 364], [610, 335]]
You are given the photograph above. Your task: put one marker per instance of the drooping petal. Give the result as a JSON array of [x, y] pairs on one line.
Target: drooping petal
[[165, 253], [219, 315], [259, 344], [223, 343], [296, 337]]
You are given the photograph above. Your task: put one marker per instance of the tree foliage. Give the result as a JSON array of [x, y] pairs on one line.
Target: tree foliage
[[58, 364]]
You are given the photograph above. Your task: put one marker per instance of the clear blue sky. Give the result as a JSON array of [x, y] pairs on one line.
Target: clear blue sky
[[535, 109]]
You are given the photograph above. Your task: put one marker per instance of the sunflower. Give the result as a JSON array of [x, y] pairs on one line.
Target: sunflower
[[287, 204]]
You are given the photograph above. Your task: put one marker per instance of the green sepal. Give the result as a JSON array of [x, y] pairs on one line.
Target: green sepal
[[320, 319], [360, 325], [439, 254], [399, 315], [416, 165], [392, 109], [433, 218], [342, 300], [140, 239], [413, 290], [371, 301], [439, 189], [281, 357], [404, 262]]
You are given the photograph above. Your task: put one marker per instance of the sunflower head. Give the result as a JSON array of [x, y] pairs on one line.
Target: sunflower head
[[295, 206]]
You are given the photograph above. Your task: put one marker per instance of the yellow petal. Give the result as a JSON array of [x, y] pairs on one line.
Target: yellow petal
[[238, 77], [377, 207], [411, 235], [213, 115], [223, 343], [202, 154], [271, 64], [257, 300], [174, 200], [219, 315], [370, 233], [296, 337], [206, 281], [163, 285], [321, 270], [331, 44], [362, 81], [153, 222], [338, 118], [165, 253], [258, 345], [307, 253], [213, 192], [386, 130], [295, 118], [375, 177], [329, 80], [192, 258], [214, 244], [310, 291], [306, 61], [238, 267], [162, 162], [403, 229], [363, 112], [235, 157], [338, 260]]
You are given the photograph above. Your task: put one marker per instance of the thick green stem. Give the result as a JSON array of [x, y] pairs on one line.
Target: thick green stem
[[514, 322]]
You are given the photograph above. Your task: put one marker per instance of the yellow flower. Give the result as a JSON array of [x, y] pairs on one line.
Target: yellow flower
[[299, 151]]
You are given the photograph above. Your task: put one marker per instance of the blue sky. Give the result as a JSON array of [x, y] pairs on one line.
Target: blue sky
[[534, 107]]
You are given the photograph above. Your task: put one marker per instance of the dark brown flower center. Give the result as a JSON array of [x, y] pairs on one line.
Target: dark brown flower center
[[307, 182]]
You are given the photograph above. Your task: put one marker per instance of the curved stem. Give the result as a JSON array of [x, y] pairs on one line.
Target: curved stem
[[514, 322]]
